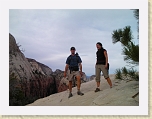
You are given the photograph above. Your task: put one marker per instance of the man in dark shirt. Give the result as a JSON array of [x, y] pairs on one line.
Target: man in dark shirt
[[102, 65], [73, 63]]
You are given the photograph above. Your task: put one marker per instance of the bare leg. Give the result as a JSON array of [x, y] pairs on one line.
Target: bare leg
[[98, 83], [78, 82], [70, 86], [78, 85], [98, 86], [109, 82]]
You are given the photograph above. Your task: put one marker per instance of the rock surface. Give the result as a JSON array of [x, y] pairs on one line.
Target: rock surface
[[29, 79], [120, 95], [62, 82], [45, 70]]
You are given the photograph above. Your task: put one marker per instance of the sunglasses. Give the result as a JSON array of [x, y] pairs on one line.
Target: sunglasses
[[72, 49]]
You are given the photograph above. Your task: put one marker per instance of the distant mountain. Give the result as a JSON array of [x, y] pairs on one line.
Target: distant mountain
[[90, 78]]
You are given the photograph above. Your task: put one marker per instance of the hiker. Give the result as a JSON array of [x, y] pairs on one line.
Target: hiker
[[102, 65], [73, 63]]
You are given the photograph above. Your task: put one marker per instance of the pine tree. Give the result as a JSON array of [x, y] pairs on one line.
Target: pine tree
[[130, 50]]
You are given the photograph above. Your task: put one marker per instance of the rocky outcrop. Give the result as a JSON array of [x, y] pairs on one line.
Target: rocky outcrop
[[28, 80], [43, 69], [58, 75], [92, 77], [62, 82]]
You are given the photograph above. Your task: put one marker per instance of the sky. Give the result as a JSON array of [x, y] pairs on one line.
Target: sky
[[47, 35]]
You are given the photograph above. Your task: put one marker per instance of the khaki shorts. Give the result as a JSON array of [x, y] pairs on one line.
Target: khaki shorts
[[100, 68], [72, 74]]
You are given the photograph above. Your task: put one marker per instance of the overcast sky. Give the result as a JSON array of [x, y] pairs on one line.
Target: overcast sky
[[47, 35]]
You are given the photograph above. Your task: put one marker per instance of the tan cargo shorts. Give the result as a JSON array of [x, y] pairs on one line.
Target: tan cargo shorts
[[72, 74], [100, 68]]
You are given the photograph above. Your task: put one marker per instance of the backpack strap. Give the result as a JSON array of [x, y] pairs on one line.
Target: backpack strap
[[76, 57]]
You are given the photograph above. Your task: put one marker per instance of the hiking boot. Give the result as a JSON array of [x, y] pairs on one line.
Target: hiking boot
[[70, 95], [80, 93], [97, 89]]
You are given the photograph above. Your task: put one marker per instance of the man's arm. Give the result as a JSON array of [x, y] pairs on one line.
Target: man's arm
[[80, 65], [106, 56], [66, 69]]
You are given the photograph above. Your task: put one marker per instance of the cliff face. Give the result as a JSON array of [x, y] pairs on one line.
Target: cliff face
[[45, 70], [28, 80]]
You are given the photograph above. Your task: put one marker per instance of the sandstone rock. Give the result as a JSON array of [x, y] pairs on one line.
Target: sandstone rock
[[41, 68], [106, 97], [62, 82], [27, 81], [92, 77]]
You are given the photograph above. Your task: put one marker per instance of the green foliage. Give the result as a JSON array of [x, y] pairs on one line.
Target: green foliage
[[16, 94], [125, 74], [131, 52], [133, 74], [122, 35], [19, 46], [118, 74], [15, 97], [124, 71], [136, 14], [12, 76]]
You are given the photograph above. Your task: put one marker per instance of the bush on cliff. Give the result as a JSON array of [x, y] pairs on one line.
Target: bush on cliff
[[16, 95]]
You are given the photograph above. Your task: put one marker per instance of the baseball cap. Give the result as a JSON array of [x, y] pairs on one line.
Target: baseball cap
[[72, 48]]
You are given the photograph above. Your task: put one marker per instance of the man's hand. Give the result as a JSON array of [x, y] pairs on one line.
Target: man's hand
[[66, 68], [106, 66], [81, 73], [64, 74]]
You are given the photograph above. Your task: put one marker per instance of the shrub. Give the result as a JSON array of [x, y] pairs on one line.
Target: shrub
[[118, 74], [125, 73]]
